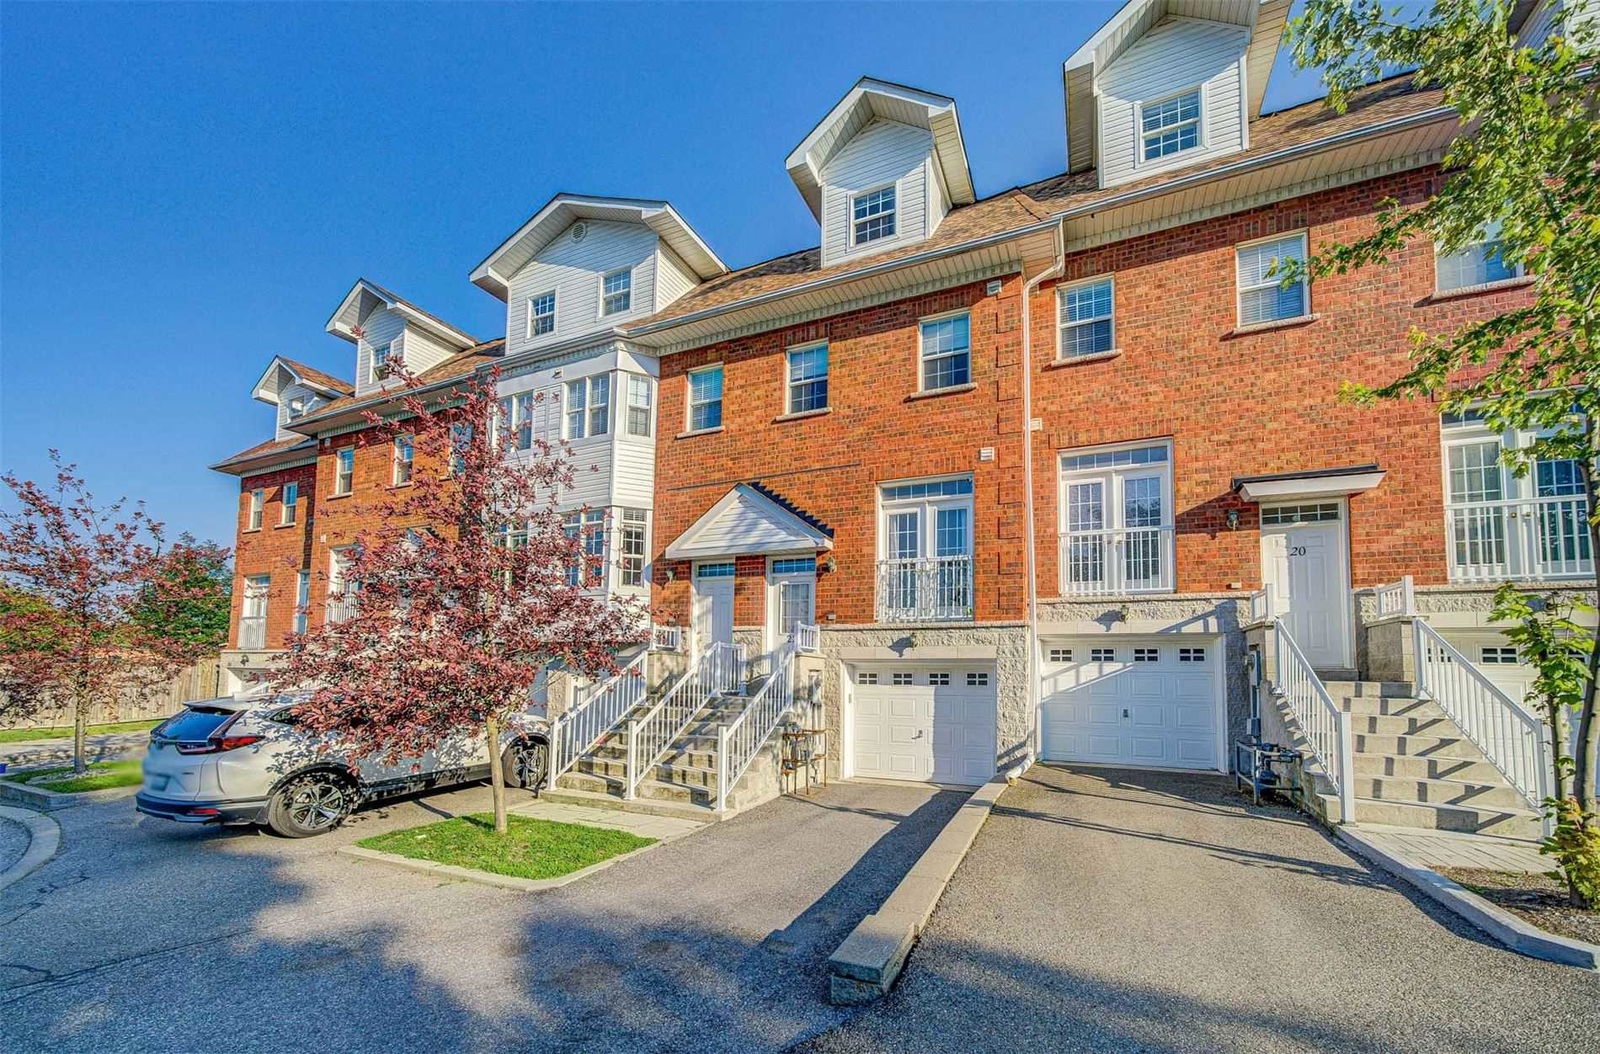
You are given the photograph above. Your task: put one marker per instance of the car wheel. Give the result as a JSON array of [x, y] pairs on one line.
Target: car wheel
[[312, 804], [526, 763]]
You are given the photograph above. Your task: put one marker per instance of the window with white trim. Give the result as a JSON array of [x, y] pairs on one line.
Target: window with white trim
[[588, 406], [1116, 521], [403, 459], [1102, 655], [514, 423], [344, 470], [616, 291], [291, 504], [1478, 263], [1145, 655], [705, 398], [977, 680], [258, 501], [1060, 654], [1084, 313], [939, 680], [1314, 512], [1169, 126], [641, 403], [925, 565], [1497, 655], [808, 378], [302, 600], [946, 351], [1262, 295], [253, 612], [867, 677], [542, 314], [1191, 655], [872, 215], [461, 436], [632, 542], [298, 405], [589, 528], [380, 362], [901, 679]]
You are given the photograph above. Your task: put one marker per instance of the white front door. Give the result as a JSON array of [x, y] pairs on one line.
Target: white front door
[[791, 597], [1305, 564], [713, 604]]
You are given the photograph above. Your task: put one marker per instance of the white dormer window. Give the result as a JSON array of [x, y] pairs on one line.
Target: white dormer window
[[380, 362], [872, 215], [542, 314], [298, 405], [1169, 126], [616, 291]]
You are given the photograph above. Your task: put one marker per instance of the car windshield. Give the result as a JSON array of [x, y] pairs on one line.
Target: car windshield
[[195, 722]]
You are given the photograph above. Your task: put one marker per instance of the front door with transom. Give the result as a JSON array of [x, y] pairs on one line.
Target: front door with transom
[[713, 604], [1305, 564], [791, 597]]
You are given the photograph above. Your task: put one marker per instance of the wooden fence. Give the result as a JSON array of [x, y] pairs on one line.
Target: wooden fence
[[203, 680]]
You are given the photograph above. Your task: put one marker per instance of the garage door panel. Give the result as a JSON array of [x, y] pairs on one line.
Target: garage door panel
[[922, 730]]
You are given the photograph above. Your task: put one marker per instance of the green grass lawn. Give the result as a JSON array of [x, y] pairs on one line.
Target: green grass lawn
[[529, 849], [28, 735], [102, 775]]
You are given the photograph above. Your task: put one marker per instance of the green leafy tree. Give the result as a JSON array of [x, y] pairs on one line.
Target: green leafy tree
[[1526, 166], [191, 600]]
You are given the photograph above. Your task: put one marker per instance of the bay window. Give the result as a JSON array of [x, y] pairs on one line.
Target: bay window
[[1116, 520], [588, 406]]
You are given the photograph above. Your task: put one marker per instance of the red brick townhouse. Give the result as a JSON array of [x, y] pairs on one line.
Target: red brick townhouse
[[1028, 473]]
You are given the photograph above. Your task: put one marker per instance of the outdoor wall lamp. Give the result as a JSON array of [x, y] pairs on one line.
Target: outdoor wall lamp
[[1233, 519], [829, 564]]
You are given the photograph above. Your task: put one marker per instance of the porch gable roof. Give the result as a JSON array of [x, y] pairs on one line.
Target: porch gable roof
[[747, 521]]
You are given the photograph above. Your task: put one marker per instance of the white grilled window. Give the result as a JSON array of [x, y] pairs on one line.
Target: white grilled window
[[977, 680], [541, 314], [344, 470], [939, 680], [866, 678], [946, 351], [588, 409], [258, 499], [1145, 655], [872, 215], [705, 398], [808, 378], [1169, 126], [641, 397], [1191, 655], [404, 454], [1497, 655], [291, 504], [1102, 655], [901, 679], [1060, 654], [616, 292], [1117, 521], [634, 522]]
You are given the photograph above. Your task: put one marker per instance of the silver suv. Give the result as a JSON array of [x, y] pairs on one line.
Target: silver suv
[[241, 761]]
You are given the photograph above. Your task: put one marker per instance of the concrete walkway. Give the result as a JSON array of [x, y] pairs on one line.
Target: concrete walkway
[[1450, 849], [1105, 910]]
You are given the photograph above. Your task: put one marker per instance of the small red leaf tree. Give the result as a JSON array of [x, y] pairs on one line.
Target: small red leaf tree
[[77, 574], [463, 586]]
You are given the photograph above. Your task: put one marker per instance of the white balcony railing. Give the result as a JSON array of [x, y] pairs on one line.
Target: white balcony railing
[[1113, 562], [1395, 598], [341, 607], [1545, 538], [929, 589], [666, 638], [253, 632]]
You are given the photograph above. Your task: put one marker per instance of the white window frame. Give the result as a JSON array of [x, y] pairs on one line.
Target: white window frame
[[927, 509], [792, 386], [514, 421], [580, 410], [633, 522], [377, 365], [289, 505], [776, 580], [1062, 325], [302, 599], [606, 309], [1239, 288], [923, 358], [690, 405], [1199, 121], [648, 384], [892, 212], [257, 512], [1491, 235], [403, 460], [297, 406], [255, 605], [344, 481], [1113, 493], [535, 316], [583, 524]]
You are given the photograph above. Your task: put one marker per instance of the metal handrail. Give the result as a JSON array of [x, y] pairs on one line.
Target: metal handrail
[[1508, 735], [719, 668], [1325, 726], [739, 740], [925, 589], [579, 729], [1113, 561]]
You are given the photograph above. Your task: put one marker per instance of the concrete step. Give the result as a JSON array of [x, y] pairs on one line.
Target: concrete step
[[1385, 725], [1495, 794], [654, 789], [1457, 747], [680, 753], [1345, 689], [1426, 768], [1505, 823], [1389, 706], [617, 769], [643, 806]]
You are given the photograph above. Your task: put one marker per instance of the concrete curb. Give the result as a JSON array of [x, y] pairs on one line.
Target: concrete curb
[[867, 964], [1519, 936], [44, 840], [49, 800], [487, 878]]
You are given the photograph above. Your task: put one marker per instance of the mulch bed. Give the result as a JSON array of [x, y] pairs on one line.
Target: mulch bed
[[1537, 899]]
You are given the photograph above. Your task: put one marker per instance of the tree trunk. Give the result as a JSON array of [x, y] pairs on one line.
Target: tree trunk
[[80, 729], [1583, 772], [497, 774]]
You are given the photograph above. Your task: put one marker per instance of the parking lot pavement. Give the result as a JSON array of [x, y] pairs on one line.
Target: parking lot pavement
[[1105, 910], [144, 935]]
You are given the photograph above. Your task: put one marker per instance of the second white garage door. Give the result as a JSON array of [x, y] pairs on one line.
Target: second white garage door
[[929, 723], [1132, 702]]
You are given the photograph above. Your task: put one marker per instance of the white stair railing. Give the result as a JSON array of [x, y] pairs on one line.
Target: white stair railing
[[590, 720], [1261, 606], [1395, 598], [740, 739], [720, 668], [1510, 737], [666, 638], [1324, 724]]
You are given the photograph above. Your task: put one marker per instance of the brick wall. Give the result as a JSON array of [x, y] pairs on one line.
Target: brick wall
[[274, 550]]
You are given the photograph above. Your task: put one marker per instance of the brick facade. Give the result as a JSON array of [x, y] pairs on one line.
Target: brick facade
[[274, 550]]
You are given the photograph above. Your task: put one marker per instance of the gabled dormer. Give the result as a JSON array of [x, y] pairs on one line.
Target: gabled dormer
[[584, 265], [1169, 83], [882, 169], [296, 390], [387, 329]]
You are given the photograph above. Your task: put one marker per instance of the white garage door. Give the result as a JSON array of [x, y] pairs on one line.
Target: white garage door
[[929, 723], [1497, 658], [1132, 702]]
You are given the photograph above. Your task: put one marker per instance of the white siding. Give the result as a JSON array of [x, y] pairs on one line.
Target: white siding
[[573, 270], [673, 277], [1538, 26], [1176, 55], [289, 393], [381, 327], [423, 352], [883, 152]]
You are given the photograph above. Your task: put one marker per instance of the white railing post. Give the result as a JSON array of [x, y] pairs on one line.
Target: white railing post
[[1347, 767], [630, 777], [722, 767], [1408, 591]]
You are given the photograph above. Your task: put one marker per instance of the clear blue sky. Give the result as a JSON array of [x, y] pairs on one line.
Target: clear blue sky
[[186, 191]]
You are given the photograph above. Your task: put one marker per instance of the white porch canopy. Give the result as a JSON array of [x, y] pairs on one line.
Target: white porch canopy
[[747, 521], [1318, 483]]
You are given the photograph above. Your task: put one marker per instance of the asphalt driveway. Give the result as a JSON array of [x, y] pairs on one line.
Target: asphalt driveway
[[144, 935], [1105, 910]]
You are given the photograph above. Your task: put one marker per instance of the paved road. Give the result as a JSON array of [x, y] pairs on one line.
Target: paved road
[[148, 936], [1120, 911], [107, 746]]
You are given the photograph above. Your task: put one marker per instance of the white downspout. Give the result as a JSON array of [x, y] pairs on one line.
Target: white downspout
[[1031, 560]]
